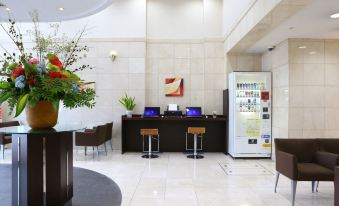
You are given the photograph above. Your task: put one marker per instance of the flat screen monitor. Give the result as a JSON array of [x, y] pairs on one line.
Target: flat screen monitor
[[152, 112], [193, 112]]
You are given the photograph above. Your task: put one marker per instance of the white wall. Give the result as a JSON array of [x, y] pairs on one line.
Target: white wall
[[123, 19], [213, 18], [184, 19], [232, 12], [174, 19]]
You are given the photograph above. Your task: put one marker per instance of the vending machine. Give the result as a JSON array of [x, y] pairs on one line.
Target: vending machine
[[250, 115]]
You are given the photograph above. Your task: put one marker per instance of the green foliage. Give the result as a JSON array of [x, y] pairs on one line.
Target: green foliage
[[128, 102], [22, 101]]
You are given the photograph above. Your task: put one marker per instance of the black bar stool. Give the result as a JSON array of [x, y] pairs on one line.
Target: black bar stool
[[150, 133], [196, 131]]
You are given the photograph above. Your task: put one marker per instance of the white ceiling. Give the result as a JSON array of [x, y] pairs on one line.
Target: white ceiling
[[48, 10], [313, 21]]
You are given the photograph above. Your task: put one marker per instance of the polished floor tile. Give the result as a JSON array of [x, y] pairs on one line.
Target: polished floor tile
[[174, 180]]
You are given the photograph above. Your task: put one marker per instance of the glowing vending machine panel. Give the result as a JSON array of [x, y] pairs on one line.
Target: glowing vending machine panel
[[250, 117]]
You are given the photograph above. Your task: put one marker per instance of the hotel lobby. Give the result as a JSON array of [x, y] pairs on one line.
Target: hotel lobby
[[169, 103]]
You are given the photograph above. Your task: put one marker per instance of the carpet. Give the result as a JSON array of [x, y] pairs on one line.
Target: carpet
[[90, 188]]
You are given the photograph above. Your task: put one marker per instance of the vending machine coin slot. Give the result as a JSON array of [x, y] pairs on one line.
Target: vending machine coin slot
[[266, 116], [252, 141]]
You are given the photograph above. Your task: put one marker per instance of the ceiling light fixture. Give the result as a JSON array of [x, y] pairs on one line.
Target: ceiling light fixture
[[61, 9], [8, 9], [302, 47], [335, 16], [312, 52]]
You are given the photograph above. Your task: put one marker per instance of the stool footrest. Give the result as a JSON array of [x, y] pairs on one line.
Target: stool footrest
[[195, 156], [151, 156]]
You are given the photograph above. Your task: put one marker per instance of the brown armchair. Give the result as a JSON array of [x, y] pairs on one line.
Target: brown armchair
[[6, 139], [91, 138], [305, 160]]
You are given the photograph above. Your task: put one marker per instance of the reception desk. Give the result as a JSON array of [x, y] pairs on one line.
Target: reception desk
[[172, 132]]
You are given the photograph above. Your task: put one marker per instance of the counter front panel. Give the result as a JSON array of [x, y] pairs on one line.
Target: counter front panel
[[172, 131]]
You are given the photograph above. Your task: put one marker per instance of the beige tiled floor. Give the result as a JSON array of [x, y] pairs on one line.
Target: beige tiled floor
[[174, 180]]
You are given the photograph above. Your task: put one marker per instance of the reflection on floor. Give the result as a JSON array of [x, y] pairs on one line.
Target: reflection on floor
[[174, 180]]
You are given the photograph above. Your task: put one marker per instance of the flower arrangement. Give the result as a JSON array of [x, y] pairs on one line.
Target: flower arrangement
[[44, 76]]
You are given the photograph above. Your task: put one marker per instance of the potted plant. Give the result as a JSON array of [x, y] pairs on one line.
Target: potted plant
[[128, 103], [40, 81]]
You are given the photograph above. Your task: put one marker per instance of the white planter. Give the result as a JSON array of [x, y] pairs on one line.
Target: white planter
[[129, 113]]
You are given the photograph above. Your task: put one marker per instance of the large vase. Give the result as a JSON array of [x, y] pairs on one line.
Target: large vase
[[42, 115]]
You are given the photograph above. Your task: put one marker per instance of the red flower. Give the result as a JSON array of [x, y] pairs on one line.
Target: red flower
[[53, 59], [18, 72], [31, 82], [53, 75]]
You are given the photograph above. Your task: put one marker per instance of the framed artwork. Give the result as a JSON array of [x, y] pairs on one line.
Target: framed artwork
[[174, 87], [88, 85]]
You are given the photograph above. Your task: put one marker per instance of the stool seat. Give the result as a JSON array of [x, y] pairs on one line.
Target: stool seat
[[149, 131], [196, 130]]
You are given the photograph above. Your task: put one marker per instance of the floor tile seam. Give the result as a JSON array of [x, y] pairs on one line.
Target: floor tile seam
[[168, 159], [136, 187]]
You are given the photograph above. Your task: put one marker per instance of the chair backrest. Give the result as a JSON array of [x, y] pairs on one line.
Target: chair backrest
[[109, 129], [9, 124], [100, 133], [303, 149], [329, 145]]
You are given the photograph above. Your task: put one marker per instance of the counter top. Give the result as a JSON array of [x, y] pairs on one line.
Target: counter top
[[184, 118]]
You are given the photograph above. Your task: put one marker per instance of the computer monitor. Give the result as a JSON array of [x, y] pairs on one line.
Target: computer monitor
[[193, 112], [152, 112]]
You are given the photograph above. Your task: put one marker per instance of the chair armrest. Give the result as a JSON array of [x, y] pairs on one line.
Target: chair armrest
[[89, 130], [287, 164], [84, 138], [327, 159]]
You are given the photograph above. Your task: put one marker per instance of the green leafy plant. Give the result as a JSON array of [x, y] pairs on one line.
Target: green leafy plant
[[128, 102], [28, 79]]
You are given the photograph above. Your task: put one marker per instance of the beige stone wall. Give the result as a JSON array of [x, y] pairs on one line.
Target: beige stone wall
[[314, 88], [200, 63], [276, 61]]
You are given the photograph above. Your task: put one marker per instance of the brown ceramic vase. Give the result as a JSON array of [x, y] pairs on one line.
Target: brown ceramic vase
[[42, 115]]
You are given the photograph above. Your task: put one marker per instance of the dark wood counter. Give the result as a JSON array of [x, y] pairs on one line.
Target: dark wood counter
[[172, 132]]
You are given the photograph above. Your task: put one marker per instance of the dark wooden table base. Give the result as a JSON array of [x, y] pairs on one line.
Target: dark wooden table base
[[35, 183]]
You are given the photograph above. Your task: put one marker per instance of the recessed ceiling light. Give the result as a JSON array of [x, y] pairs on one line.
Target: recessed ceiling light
[[61, 9], [8, 9], [312, 52], [335, 16], [302, 47]]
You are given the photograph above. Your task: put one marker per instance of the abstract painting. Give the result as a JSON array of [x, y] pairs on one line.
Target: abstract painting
[[174, 87]]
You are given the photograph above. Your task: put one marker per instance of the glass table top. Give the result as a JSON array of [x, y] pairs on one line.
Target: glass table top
[[25, 129]]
